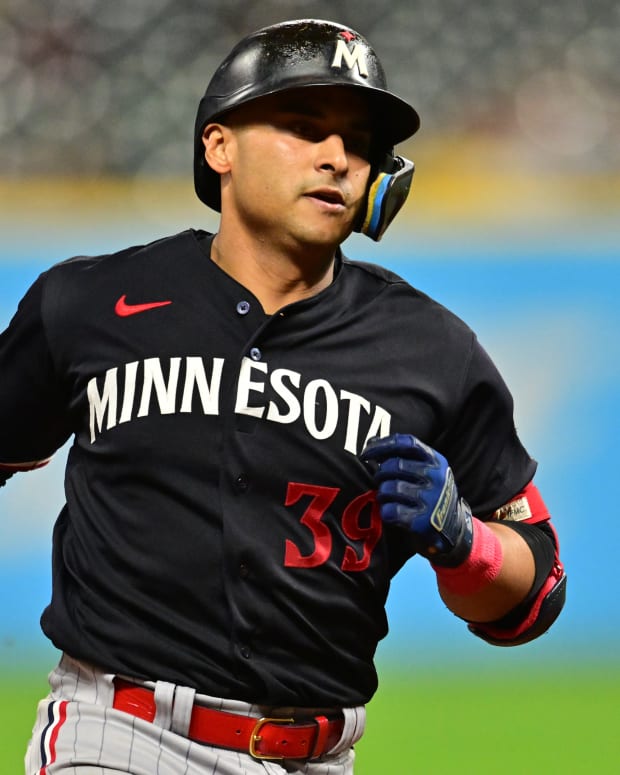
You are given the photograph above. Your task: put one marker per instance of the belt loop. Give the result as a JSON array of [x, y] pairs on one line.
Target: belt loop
[[182, 710], [319, 745], [354, 726], [164, 698]]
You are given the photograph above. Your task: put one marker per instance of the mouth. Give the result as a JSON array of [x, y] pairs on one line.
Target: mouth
[[332, 198]]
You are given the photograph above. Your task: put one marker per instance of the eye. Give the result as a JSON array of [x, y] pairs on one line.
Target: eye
[[359, 144], [304, 129]]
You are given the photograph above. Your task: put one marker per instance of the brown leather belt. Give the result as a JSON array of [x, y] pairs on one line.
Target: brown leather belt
[[262, 738]]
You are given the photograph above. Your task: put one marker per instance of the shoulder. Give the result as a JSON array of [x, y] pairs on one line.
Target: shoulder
[[78, 275], [394, 299], [165, 247], [373, 272], [85, 286]]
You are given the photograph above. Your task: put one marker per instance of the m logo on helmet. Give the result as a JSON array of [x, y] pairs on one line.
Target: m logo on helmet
[[351, 57]]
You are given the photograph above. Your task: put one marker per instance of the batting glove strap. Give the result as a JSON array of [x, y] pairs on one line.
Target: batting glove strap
[[455, 536]]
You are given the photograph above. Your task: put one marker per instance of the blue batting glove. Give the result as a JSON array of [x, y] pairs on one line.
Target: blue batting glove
[[416, 491]]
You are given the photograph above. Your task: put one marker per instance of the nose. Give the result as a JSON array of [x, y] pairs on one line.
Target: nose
[[332, 155]]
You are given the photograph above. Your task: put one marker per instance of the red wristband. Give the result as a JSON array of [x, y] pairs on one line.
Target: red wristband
[[481, 567]]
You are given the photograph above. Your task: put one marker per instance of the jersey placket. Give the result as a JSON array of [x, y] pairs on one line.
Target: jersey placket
[[236, 492]]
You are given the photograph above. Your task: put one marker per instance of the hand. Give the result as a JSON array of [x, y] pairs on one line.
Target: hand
[[416, 491]]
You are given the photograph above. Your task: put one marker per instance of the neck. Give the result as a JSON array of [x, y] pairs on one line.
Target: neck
[[276, 277]]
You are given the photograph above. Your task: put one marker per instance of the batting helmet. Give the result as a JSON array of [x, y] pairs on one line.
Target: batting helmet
[[302, 53]]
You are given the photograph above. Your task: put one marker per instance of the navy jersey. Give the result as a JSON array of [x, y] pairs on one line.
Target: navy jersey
[[220, 530]]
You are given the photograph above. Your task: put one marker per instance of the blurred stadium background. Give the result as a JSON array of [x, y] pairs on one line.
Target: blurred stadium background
[[513, 222]]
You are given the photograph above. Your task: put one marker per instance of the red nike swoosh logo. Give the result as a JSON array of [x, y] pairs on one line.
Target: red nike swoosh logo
[[124, 310]]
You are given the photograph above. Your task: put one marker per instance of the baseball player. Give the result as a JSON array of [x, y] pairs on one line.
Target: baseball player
[[263, 433]]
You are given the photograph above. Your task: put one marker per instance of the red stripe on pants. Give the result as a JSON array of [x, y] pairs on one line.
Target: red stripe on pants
[[52, 732]]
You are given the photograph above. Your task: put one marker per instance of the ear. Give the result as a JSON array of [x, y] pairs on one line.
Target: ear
[[216, 139]]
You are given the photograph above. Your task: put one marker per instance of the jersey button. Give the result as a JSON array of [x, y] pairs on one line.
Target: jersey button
[[243, 307], [241, 483], [245, 652], [255, 354], [244, 571]]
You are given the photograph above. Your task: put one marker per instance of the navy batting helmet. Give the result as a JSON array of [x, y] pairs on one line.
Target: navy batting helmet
[[297, 54]]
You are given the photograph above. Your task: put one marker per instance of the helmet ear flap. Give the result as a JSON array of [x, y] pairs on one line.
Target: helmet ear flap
[[388, 189]]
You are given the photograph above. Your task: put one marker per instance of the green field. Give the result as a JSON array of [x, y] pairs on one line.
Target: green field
[[565, 722]]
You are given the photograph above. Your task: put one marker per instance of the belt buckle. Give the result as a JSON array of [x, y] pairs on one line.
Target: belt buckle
[[255, 737]]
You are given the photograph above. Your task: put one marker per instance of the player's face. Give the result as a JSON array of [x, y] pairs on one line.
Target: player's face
[[299, 165]]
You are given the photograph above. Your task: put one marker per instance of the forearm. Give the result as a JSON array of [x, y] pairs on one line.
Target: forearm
[[497, 597], [504, 578]]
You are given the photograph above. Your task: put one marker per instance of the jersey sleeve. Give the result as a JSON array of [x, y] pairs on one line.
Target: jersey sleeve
[[489, 462], [34, 419]]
